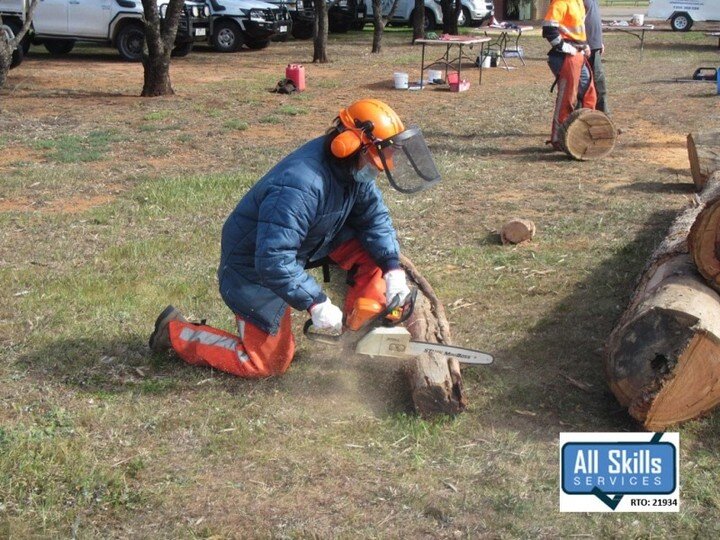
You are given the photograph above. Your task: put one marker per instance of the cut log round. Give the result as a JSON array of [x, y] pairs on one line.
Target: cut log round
[[704, 155], [435, 381], [704, 237], [588, 134], [517, 230], [662, 360]]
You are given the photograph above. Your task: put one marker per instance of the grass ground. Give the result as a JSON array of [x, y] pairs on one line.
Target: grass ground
[[111, 207]]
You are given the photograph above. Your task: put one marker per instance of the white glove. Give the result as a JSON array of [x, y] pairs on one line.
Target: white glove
[[568, 48], [395, 284], [327, 315]]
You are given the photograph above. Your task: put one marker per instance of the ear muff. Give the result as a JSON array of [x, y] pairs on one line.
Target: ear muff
[[346, 144]]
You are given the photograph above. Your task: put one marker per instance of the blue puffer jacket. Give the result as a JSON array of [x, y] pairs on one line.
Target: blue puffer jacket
[[306, 206]]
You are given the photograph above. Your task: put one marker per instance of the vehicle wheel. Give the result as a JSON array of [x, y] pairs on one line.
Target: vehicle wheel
[[430, 22], [19, 53], [58, 47], [227, 37], [257, 45], [302, 30], [338, 27], [358, 25], [182, 50], [130, 42], [681, 22]]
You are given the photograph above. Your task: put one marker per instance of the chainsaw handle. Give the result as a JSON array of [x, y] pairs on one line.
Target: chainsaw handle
[[319, 336]]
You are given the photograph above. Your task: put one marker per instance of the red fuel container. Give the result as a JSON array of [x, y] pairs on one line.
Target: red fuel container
[[296, 73]]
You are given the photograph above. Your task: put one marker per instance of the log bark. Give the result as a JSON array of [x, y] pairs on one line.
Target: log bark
[[517, 230], [588, 134], [435, 381], [704, 237], [662, 360], [704, 155]]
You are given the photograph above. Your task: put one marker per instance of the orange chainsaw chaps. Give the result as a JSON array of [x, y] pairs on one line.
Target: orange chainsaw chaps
[[363, 310]]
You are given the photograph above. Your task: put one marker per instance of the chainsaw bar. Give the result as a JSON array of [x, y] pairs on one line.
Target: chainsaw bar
[[463, 355]]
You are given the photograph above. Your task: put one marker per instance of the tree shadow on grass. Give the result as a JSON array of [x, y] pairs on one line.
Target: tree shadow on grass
[[553, 380], [659, 187]]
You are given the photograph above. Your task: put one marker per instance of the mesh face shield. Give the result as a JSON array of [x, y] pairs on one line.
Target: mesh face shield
[[407, 161]]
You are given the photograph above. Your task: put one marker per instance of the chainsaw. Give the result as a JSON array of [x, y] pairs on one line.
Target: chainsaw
[[372, 330]]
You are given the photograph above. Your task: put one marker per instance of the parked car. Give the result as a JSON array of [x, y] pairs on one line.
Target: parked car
[[13, 15], [683, 13], [342, 16], [59, 24], [473, 12], [253, 23]]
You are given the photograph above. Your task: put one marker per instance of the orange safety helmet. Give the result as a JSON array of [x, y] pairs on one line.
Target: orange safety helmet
[[364, 124]]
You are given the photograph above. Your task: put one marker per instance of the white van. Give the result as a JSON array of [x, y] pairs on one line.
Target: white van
[[683, 13]]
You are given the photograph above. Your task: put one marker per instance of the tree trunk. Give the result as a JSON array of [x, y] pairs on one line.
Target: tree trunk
[[159, 42], [435, 381], [588, 134], [704, 237], [378, 26], [704, 155], [450, 11], [320, 32], [8, 45], [663, 357], [418, 21], [6, 53]]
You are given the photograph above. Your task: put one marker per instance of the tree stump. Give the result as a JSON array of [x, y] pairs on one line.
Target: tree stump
[[704, 237], [435, 381], [517, 230], [588, 134], [704, 155], [662, 359]]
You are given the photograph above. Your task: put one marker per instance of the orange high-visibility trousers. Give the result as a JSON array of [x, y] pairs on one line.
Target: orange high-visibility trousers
[[253, 353], [366, 277], [568, 85]]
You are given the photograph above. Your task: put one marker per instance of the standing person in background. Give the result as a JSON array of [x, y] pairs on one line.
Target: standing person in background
[[593, 29], [564, 28]]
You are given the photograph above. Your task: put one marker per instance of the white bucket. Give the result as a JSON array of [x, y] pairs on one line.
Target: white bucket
[[486, 61], [400, 80], [434, 74], [638, 19]]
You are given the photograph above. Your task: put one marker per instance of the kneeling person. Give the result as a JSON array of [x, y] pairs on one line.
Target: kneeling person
[[319, 205]]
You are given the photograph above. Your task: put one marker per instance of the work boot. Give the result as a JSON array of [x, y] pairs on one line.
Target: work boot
[[160, 338]]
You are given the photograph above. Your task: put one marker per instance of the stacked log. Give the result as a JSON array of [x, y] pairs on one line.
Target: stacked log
[[435, 381], [588, 134], [663, 357], [704, 155]]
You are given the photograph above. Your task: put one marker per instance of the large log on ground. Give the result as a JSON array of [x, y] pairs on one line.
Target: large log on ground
[[588, 134], [704, 155], [704, 237], [662, 360], [435, 381], [517, 230]]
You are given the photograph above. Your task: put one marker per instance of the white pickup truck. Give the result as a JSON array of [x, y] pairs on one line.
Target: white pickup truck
[[59, 24], [253, 23], [472, 14], [683, 13]]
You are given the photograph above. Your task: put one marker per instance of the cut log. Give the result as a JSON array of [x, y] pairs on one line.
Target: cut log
[[435, 381], [588, 134], [704, 155], [704, 237], [517, 230], [662, 360]]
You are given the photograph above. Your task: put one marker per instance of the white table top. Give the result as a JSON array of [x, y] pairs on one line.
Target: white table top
[[628, 27], [499, 30]]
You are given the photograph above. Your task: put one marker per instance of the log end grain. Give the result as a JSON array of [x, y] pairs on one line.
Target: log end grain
[[588, 134], [517, 231]]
